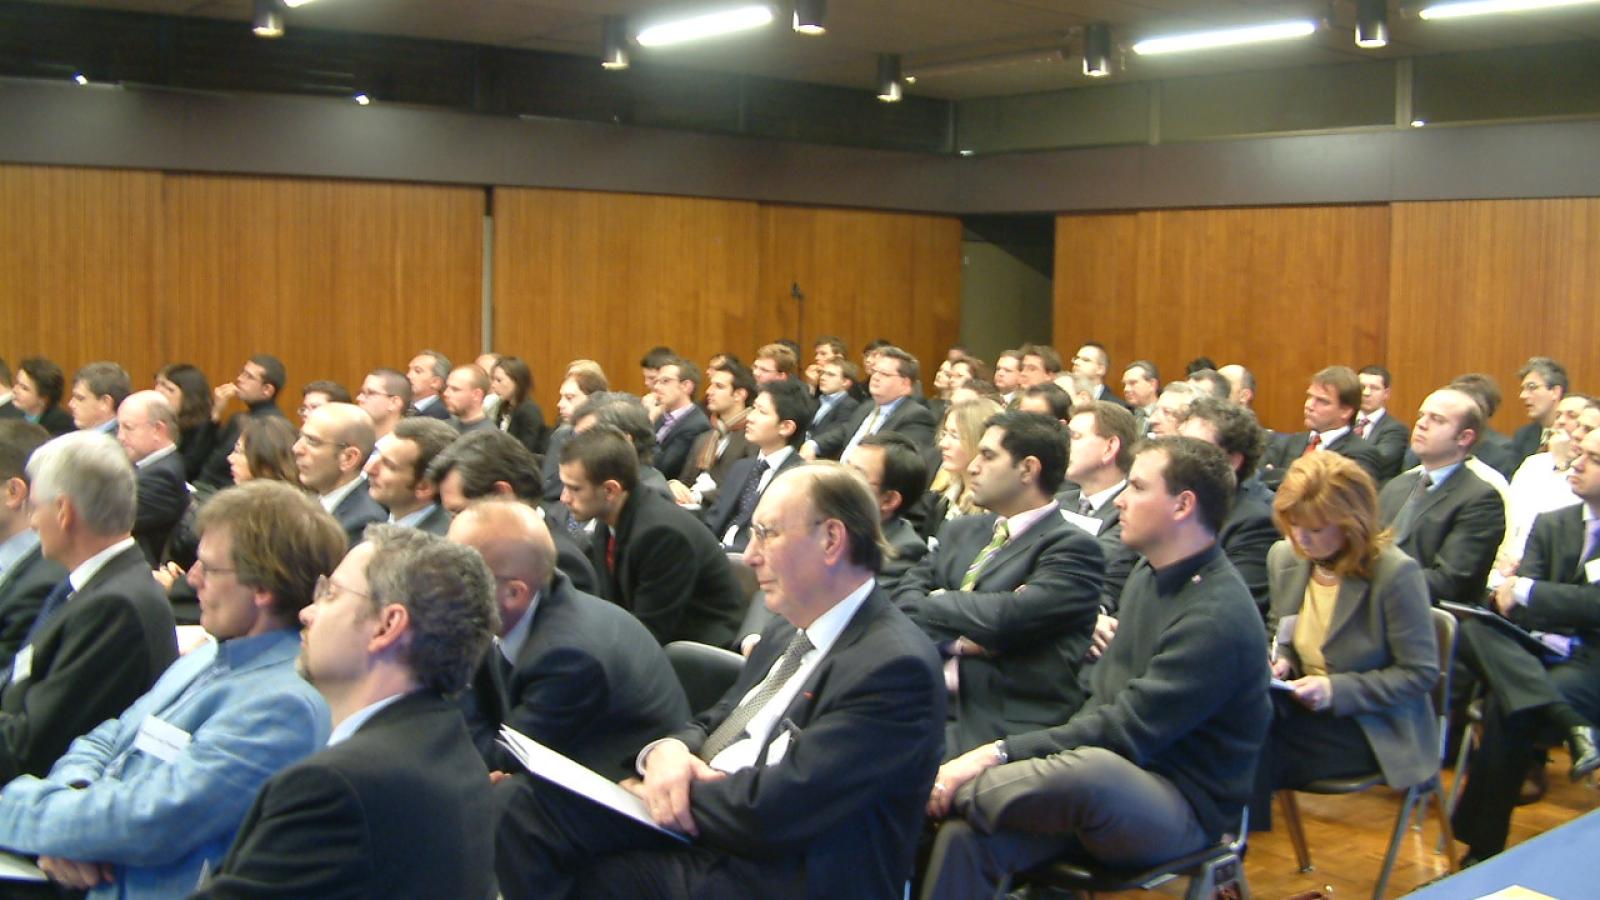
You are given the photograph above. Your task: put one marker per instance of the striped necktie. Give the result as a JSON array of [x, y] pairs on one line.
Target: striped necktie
[[1002, 533]]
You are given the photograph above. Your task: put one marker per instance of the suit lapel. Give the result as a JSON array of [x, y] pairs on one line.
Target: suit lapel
[[1351, 591], [1020, 543]]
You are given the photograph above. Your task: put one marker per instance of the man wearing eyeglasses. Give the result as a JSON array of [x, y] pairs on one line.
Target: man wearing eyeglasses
[[139, 806], [384, 396], [256, 386], [334, 446]]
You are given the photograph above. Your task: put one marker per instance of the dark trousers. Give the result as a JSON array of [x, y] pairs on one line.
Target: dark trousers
[[1301, 747]]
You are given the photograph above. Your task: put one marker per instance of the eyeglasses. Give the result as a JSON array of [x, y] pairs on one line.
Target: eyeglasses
[[206, 569], [323, 591], [765, 533], [368, 393]]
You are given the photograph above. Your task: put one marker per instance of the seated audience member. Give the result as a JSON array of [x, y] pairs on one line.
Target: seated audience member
[[890, 407], [1141, 384], [653, 559], [1102, 439], [1040, 363], [1533, 697], [1248, 533], [1443, 516], [1387, 435], [398, 805], [1172, 408], [334, 445], [1158, 762], [1211, 383], [131, 815], [1492, 448], [517, 413], [464, 390], [146, 428], [491, 400], [649, 366], [1543, 384], [1198, 364], [1010, 596], [977, 390], [729, 390], [964, 370], [680, 421], [319, 393], [808, 777], [950, 494], [1360, 657], [624, 413], [97, 390], [385, 396], [824, 350], [1241, 383], [775, 362], [1540, 484], [26, 575], [1048, 399], [835, 405], [1332, 399], [493, 463], [256, 386], [568, 669], [189, 394], [397, 476], [774, 427], [1008, 376], [104, 635], [894, 470], [427, 372], [583, 380], [37, 393]]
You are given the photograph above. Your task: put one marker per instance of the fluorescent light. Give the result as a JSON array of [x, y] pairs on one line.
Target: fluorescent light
[[1226, 37], [1372, 24], [362, 99], [80, 78], [292, 4], [1466, 8], [705, 25], [1418, 123]]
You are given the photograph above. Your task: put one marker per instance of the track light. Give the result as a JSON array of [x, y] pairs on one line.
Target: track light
[[1372, 24], [267, 19], [808, 16], [705, 25], [1097, 50], [80, 79], [614, 44], [362, 99], [1226, 37], [890, 85], [1465, 8]]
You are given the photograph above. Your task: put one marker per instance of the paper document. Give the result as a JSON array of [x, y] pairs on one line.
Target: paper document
[[17, 868], [1278, 684], [581, 780]]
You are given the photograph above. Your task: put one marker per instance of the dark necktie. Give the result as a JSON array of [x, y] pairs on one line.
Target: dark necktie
[[56, 599], [1407, 516], [1085, 508], [1312, 443], [1361, 426], [729, 732], [750, 494]]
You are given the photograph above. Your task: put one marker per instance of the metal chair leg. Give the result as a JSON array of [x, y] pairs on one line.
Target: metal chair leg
[[1400, 822], [1447, 837], [1290, 810]]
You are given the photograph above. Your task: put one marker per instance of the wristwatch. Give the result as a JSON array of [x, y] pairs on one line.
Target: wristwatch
[[1001, 757]]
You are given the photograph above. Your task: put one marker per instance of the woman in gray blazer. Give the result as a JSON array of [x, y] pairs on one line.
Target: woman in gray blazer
[[1354, 644]]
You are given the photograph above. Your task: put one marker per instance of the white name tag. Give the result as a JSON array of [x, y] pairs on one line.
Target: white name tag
[[22, 664], [1591, 570], [162, 740], [1085, 523], [778, 748]]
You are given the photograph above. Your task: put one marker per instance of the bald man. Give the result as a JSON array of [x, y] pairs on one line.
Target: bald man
[[569, 670], [463, 395], [147, 428], [332, 450]]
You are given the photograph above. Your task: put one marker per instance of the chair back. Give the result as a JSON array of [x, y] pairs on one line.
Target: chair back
[[706, 672], [1444, 632]]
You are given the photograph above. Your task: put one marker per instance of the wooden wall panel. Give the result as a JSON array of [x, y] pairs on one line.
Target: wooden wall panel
[[1283, 291], [334, 278], [78, 250]]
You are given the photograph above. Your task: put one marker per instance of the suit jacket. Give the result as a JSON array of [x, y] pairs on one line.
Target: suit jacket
[[1390, 439], [196, 445], [22, 592], [1120, 558], [672, 449], [836, 417], [1032, 610], [1381, 654], [216, 472], [670, 572], [909, 549], [96, 655], [9, 410], [434, 410], [401, 809], [1562, 600], [1282, 453], [163, 498], [722, 515], [57, 421], [1525, 442], [437, 521], [737, 448], [589, 682], [527, 425], [572, 552], [1246, 536], [847, 796], [1496, 450], [1454, 535], [550, 468], [358, 510], [909, 418]]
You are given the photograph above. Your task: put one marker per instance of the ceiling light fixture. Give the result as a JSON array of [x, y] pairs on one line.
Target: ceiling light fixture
[[362, 99], [808, 16], [267, 19], [705, 25], [1097, 50], [1465, 8], [890, 86], [1225, 37], [295, 4], [614, 44], [1372, 24], [80, 79], [994, 61]]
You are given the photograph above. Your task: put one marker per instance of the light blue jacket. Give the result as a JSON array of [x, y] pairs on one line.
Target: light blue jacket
[[247, 713]]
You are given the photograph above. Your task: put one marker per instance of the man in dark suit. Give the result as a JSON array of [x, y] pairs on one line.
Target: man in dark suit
[[624, 412], [103, 636], [399, 803], [775, 428], [1387, 435], [427, 372], [897, 475], [807, 778], [1141, 385], [1543, 384], [892, 408], [1100, 450], [1158, 763], [335, 442], [729, 389], [26, 576], [1091, 363], [1532, 696], [835, 406], [1445, 517], [681, 421], [146, 426], [1010, 597], [256, 386], [652, 558], [397, 474], [1492, 448], [98, 389], [1248, 532], [1332, 399]]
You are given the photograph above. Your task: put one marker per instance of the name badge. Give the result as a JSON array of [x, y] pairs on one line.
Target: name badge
[[1591, 570], [779, 748], [22, 664], [1085, 523], [163, 740]]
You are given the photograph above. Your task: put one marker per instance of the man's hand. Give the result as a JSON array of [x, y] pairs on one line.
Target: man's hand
[[221, 396], [965, 646], [76, 875], [1315, 692], [497, 776], [955, 773], [1105, 628], [670, 772], [1505, 598]]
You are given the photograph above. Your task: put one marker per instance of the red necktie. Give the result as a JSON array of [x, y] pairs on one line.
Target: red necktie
[[1312, 444], [611, 552]]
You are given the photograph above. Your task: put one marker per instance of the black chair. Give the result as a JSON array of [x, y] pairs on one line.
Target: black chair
[[1213, 869], [706, 672]]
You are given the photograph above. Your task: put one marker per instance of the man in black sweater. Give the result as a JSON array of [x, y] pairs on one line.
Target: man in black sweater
[[1159, 762]]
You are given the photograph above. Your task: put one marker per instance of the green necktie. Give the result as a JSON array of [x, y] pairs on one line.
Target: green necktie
[[1002, 533]]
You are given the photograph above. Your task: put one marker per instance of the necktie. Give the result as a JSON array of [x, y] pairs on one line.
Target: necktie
[[1591, 539], [611, 552], [1002, 533], [1312, 443], [1085, 508], [1544, 438], [733, 726], [866, 429], [1407, 516], [1361, 426], [52, 602], [750, 494]]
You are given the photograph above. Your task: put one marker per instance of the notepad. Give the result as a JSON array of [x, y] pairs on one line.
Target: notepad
[[557, 769]]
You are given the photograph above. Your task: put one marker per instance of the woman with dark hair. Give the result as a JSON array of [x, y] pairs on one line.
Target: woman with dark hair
[[265, 449], [189, 394], [517, 414], [37, 392]]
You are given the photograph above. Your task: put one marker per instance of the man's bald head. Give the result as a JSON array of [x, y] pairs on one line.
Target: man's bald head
[[513, 540], [347, 424]]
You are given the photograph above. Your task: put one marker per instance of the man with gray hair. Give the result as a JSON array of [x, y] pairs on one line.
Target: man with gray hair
[[97, 390], [427, 372], [146, 428], [399, 803], [103, 636], [334, 446]]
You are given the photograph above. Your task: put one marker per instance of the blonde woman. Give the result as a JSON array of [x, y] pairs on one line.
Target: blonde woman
[[949, 496]]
